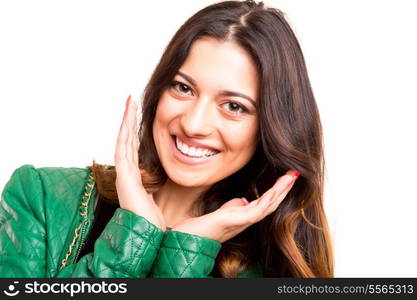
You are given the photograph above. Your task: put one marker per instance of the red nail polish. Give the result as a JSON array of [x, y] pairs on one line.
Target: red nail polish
[[296, 174]]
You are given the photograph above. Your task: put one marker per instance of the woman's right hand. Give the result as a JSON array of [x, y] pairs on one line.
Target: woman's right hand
[[131, 193]]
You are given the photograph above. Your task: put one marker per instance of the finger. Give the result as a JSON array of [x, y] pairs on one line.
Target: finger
[[136, 147], [270, 200], [284, 181], [131, 126], [279, 186], [280, 195], [120, 153], [283, 190], [278, 198], [137, 137], [264, 197], [134, 139], [122, 136], [235, 202], [254, 211]]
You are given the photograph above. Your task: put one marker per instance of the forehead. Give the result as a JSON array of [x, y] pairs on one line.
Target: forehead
[[221, 65]]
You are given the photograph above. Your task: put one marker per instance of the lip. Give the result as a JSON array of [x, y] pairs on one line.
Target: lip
[[188, 159]]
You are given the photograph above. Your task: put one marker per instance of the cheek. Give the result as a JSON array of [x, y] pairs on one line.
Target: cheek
[[160, 123], [241, 138], [162, 110], [165, 112]]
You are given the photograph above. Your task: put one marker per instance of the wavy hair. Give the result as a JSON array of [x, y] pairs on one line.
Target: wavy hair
[[293, 241]]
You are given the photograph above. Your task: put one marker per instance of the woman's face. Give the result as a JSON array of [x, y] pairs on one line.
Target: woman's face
[[205, 126]]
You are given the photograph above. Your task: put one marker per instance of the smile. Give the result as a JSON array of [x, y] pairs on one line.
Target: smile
[[191, 155], [192, 151]]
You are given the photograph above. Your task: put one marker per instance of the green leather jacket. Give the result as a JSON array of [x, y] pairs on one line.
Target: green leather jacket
[[45, 218]]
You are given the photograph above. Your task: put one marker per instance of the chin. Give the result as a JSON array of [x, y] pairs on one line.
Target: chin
[[189, 179]]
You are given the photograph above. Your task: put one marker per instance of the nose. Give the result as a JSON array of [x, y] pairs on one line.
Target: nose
[[198, 119]]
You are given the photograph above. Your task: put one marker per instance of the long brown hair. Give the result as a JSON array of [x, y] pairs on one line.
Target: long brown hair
[[294, 241]]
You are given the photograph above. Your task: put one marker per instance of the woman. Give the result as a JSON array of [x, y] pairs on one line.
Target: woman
[[208, 186]]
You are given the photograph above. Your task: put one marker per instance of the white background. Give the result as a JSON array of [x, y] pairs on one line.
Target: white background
[[67, 67]]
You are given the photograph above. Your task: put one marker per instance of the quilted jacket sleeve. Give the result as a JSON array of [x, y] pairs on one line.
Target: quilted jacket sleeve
[[22, 230], [126, 248], [185, 255]]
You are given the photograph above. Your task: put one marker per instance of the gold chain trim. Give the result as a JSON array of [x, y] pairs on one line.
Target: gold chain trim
[[88, 190]]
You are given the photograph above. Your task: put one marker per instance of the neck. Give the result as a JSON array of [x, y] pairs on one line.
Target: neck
[[176, 201]]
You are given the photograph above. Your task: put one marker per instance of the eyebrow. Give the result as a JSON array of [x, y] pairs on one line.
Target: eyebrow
[[223, 93]]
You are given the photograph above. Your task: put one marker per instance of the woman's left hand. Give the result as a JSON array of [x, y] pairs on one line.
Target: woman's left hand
[[237, 214]]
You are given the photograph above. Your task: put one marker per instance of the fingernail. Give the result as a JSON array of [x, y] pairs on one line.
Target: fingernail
[[294, 177], [244, 200], [296, 174]]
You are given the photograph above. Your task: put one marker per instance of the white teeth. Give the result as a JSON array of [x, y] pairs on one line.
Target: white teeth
[[192, 151]]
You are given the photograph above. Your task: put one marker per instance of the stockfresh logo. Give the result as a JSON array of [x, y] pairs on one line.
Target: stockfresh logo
[[12, 290]]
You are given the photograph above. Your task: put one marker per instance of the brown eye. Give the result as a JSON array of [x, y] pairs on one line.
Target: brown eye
[[181, 88], [234, 108]]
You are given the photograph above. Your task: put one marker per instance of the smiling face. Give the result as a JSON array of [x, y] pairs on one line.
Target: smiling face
[[205, 125]]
